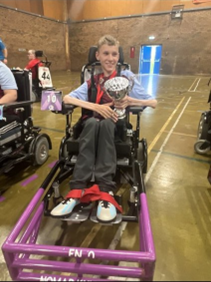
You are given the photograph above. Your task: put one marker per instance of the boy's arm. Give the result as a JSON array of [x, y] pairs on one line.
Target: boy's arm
[[79, 97], [129, 102], [137, 97], [80, 103], [8, 85], [10, 96]]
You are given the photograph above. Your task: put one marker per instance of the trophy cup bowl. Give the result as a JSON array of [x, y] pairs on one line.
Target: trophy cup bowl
[[117, 88]]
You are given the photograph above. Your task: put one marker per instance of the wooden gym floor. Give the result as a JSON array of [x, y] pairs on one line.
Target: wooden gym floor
[[178, 193]]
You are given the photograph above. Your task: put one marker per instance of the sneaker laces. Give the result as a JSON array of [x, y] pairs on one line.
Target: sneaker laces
[[105, 204], [64, 202]]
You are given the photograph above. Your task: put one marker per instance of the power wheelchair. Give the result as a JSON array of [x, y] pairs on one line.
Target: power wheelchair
[[20, 140], [63, 261], [203, 144]]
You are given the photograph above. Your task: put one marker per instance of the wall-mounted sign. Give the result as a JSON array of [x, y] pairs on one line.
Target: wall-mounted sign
[[132, 52]]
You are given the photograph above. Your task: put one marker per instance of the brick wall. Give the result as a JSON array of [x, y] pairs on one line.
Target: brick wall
[[24, 31], [186, 43]]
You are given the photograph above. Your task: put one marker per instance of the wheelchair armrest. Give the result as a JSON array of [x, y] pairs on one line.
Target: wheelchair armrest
[[17, 104], [67, 109], [136, 110]]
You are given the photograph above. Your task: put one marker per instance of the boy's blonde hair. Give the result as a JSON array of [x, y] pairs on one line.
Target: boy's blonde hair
[[108, 40], [32, 51]]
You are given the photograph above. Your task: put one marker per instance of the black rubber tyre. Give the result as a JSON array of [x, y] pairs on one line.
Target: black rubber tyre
[[41, 151], [202, 147], [63, 153], [202, 133], [142, 156]]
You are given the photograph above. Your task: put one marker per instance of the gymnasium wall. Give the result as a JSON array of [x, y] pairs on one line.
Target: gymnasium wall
[[77, 10], [94, 9], [55, 9], [186, 42], [21, 32]]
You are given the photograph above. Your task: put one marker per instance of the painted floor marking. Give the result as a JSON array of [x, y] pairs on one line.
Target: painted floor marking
[[29, 180], [123, 225]]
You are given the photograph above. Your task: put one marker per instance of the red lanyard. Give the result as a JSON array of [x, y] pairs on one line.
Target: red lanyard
[[99, 90]]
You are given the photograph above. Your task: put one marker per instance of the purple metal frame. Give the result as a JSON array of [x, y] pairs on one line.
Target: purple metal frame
[[21, 244]]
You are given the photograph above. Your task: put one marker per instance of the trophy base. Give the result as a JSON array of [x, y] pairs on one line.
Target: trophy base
[[121, 113]]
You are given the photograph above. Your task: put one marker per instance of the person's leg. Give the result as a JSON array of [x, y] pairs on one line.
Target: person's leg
[[105, 169], [84, 166]]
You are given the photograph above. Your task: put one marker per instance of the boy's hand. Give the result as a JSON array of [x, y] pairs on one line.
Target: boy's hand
[[106, 112], [128, 101], [123, 103], [152, 103]]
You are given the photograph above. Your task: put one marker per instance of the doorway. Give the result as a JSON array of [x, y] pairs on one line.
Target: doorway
[[150, 59], [149, 67]]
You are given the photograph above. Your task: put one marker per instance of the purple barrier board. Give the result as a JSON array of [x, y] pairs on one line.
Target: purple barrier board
[[51, 100]]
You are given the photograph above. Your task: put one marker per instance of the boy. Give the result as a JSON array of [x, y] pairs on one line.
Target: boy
[[97, 153]]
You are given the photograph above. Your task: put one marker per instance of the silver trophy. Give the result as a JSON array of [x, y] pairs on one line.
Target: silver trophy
[[117, 88]]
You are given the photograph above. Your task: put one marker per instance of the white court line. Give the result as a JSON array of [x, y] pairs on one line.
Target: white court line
[[189, 90], [205, 206], [165, 141], [196, 86], [197, 81], [123, 225]]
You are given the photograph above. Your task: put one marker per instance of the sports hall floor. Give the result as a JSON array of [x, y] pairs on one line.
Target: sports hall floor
[[178, 193]]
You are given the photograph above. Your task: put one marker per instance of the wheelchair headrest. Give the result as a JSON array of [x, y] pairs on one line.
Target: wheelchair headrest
[[92, 58], [39, 53]]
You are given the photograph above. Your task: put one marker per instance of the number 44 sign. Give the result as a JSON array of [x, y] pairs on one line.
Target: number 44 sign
[[51, 100], [44, 76]]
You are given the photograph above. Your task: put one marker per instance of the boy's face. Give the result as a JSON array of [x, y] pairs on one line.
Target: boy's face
[[30, 55], [108, 57]]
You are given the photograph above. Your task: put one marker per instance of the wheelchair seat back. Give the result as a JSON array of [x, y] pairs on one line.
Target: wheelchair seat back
[[23, 80], [12, 130], [43, 71]]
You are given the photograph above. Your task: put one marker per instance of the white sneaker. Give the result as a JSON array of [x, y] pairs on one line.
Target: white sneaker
[[65, 208], [106, 212]]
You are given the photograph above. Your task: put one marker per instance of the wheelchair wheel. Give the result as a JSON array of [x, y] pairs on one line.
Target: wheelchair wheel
[[41, 151], [203, 127], [142, 156], [202, 146]]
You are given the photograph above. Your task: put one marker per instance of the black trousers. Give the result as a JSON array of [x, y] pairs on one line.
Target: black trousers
[[97, 156]]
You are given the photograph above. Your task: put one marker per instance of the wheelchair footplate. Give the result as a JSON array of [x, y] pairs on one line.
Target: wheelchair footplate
[[80, 213]]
